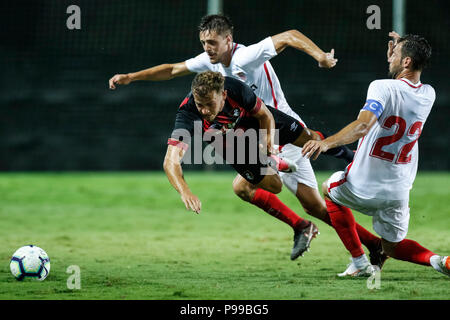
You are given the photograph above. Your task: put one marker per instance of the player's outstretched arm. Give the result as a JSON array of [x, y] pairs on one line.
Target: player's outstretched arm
[[297, 40], [174, 172], [352, 132], [161, 72]]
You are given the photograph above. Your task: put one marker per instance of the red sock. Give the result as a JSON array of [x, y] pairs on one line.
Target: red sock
[[410, 250], [345, 226], [273, 206], [371, 241]]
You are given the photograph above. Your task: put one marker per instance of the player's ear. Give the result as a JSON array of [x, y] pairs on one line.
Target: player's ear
[[229, 38], [407, 62], [224, 94]]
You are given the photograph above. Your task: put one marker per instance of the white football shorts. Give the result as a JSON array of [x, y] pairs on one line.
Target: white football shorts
[[304, 173], [390, 218]]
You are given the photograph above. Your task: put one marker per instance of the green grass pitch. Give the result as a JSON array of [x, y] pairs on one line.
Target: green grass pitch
[[133, 239]]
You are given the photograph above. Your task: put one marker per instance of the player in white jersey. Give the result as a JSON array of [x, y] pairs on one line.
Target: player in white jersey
[[251, 65], [378, 181]]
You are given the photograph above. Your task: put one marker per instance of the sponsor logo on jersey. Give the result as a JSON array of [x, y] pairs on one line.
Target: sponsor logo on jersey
[[248, 175], [294, 126]]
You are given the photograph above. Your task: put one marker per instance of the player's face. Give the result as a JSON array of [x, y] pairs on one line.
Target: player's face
[[210, 106], [215, 45], [395, 61]]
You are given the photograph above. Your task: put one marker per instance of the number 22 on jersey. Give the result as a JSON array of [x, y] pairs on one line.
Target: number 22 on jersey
[[403, 155]]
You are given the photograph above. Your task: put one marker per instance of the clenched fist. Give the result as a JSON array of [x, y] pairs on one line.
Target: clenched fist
[[122, 79]]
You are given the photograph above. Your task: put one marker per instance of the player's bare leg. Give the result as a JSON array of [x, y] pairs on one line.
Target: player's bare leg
[[312, 202], [304, 230], [271, 182], [389, 247]]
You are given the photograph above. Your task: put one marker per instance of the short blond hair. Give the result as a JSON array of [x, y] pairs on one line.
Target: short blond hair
[[206, 82]]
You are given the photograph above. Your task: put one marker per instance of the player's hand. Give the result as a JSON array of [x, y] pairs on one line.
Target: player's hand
[[392, 43], [328, 61], [191, 202], [123, 79], [313, 148]]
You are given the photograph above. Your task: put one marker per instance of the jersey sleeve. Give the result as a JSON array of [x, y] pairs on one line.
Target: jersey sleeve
[[255, 55], [377, 96], [183, 130], [199, 63]]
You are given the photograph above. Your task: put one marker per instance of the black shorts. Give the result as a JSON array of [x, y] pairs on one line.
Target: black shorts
[[246, 158]]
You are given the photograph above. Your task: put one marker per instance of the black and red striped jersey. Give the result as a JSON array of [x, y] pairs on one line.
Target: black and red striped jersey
[[241, 103]]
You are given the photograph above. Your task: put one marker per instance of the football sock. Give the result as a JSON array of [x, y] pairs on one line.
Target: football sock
[[410, 250], [345, 226], [342, 152], [361, 262], [270, 203], [371, 241]]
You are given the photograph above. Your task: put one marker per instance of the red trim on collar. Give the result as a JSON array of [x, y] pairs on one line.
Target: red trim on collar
[[235, 46], [409, 84]]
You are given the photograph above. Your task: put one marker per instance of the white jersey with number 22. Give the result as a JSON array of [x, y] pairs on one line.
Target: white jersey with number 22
[[385, 163]]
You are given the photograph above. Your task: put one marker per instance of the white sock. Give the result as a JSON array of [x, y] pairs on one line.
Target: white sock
[[361, 262], [434, 261]]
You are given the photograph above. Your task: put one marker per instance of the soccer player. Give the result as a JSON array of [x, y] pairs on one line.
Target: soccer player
[[378, 181], [223, 105], [251, 65]]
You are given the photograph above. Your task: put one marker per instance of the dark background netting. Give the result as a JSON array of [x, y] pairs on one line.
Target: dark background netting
[[57, 113]]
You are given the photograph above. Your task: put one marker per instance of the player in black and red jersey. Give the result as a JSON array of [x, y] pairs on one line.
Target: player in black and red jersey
[[222, 105]]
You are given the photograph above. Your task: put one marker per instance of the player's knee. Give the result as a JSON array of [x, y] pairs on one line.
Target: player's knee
[[325, 188], [314, 207], [308, 207], [276, 185], [271, 183], [241, 189]]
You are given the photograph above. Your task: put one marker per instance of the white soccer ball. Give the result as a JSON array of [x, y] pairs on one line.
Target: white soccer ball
[[30, 262]]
